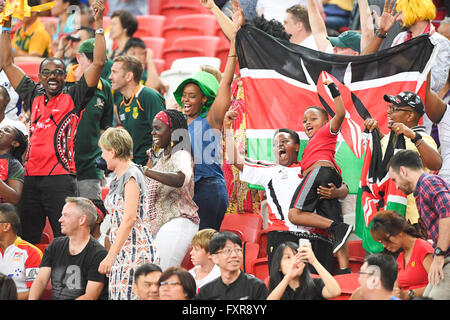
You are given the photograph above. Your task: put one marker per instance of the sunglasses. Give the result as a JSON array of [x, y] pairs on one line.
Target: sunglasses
[[57, 73]]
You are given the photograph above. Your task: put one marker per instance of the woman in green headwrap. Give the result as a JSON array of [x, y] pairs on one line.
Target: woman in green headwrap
[[204, 102]]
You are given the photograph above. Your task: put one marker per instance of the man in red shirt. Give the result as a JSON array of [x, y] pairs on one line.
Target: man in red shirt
[[55, 112]]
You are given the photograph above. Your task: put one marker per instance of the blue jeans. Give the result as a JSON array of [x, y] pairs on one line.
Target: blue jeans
[[211, 197]]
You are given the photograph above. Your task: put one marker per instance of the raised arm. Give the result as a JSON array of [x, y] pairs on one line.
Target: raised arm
[[92, 74], [223, 98], [339, 116], [231, 149], [224, 22], [318, 27], [434, 106], [385, 23], [366, 21], [12, 71]]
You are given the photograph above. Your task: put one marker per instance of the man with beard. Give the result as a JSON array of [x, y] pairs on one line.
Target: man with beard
[[55, 112], [432, 195]]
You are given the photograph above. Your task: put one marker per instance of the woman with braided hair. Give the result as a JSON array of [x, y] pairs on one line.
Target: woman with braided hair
[[173, 212], [13, 144]]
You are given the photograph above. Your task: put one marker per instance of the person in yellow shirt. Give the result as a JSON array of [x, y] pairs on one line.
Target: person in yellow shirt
[[31, 39]]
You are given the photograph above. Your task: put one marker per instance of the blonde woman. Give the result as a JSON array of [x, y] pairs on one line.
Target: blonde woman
[[131, 238]]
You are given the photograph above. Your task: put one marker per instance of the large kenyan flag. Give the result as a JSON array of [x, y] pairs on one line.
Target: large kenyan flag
[[282, 79]]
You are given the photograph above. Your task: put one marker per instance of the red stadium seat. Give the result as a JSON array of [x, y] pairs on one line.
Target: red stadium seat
[[248, 223], [156, 44], [154, 6], [31, 69], [356, 255], [348, 283], [250, 252], [160, 65], [262, 240], [187, 263], [190, 25], [48, 230], [259, 268], [105, 191], [47, 294], [174, 8], [194, 46], [150, 26]]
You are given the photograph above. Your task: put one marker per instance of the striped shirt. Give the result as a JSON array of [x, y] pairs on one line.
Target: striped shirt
[[432, 195]]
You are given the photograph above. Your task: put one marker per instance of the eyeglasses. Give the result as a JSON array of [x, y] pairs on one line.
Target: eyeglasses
[[169, 283], [226, 252], [57, 73], [393, 109]]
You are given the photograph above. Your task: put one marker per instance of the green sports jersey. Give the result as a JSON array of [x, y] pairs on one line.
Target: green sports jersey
[[97, 116], [136, 116]]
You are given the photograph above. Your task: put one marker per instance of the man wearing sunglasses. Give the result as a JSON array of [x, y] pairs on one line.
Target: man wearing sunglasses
[[55, 112], [404, 112]]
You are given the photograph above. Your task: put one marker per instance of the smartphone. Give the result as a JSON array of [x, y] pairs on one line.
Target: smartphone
[[303, 242]]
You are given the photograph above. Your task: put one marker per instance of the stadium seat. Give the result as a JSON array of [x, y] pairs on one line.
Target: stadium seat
[[150, 26], [154, 6], [267, 281], [190, 25], [194, 46], [48, 230], [248, 223], [42, 246], [262, 240], [356, 255], [259, 268], [348, 283], [174, 8], [156, 44], [31, 69], [250, 252], [187, 263], [105, 191], [160, 65]]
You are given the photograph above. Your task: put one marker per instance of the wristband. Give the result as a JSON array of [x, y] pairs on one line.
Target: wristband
[[334, 90], [380, 35]]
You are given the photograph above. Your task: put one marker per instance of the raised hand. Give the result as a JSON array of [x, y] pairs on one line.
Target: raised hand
[[229, 118], [98, 6], [387, 18], [237, 14], [208, 4]]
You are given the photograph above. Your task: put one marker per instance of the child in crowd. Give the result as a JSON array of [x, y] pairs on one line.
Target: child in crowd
[[204, 269], [319, 168]]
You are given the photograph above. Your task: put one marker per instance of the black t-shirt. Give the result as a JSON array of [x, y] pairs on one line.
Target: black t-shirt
[[314, 294], [70, 273], [246, 287]]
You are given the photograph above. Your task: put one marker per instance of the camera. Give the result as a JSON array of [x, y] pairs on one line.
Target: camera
[[100, 163]]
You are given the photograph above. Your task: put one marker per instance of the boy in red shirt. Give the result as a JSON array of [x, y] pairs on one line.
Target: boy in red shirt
[[320, 169]]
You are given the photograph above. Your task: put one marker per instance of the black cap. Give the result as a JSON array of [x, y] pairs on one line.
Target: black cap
[[407, 99]]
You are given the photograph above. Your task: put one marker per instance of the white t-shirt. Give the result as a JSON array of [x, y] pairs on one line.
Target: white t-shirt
[[311, 44], [280, 183], [444, 139], [214, 274], [9, 112]]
